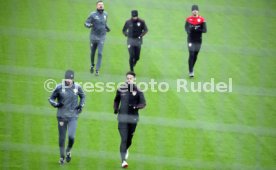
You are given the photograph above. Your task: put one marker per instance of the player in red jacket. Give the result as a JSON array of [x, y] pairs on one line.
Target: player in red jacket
[[195, 25]]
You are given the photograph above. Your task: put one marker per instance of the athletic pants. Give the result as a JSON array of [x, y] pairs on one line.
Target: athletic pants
[[194, 48], [64, 124], [126, 132]]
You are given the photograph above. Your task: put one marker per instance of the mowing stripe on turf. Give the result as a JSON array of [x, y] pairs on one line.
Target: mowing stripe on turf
[[85, 76], [120, 40], [148, 120], [158, 160]]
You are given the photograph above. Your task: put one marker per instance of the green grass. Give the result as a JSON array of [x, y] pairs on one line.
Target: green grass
[[39, 40]]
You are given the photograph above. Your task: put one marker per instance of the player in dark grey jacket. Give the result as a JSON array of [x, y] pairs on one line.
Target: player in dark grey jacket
[[97, 22], [65, 99]]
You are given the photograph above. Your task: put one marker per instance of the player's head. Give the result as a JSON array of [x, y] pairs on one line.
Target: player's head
[[130, 77], [100, 5], [195, 10], [69, 77], [134, 14]]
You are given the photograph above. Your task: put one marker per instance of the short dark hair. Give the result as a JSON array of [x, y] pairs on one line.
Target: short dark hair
[[131, 73], [195, 7], [99, 1]]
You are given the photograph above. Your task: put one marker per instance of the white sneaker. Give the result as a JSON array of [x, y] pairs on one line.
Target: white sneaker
[[97, 73], [126, 156], [124, 164], [191, 74], [61, 161], [68, 156]]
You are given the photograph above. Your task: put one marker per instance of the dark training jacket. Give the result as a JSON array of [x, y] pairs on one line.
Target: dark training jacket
[[98, 23], [194, 27], [68, 96], [128, 100], [135, 30]]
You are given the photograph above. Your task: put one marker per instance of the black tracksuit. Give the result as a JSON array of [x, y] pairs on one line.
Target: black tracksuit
[[134, 29], [128, 100], [194, 27]]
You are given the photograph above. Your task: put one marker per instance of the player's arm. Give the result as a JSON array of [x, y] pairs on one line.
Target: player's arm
[[106, 26], [82, 99], [204, 27], [187, 27], [53, 97], [116, 103], [142, 101], [82, 96], [125, 29], [145, 30], [89, 22]]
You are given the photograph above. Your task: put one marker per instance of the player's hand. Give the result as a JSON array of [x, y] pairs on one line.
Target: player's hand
[[125, 33], [107, 29], [197, 27], [134, 107], [79, 109], [88, 25], [58, 105], [194, 27]]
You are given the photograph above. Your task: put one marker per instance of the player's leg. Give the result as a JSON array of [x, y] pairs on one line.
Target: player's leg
[[93, 47], [72, 126], [62, 128], [100, 56], [191, 61], [137, 54], [196, 51], [131, 130], [123, 134], [191, 48], [123, 146], [131, 56]]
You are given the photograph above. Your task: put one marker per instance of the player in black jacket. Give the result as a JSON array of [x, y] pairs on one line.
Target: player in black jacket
[[134, 28], [195, 25], [128, 100]]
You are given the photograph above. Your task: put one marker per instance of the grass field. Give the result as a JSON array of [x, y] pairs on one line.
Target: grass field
[[178, 130]]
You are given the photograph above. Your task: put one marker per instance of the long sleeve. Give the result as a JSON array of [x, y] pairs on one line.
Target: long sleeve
[[89, 22], [142, 101], [106, 26], [125, 29], [204, 27], [145, 30], [82, 96], [53, 97], [187, 27], [117, 100]]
